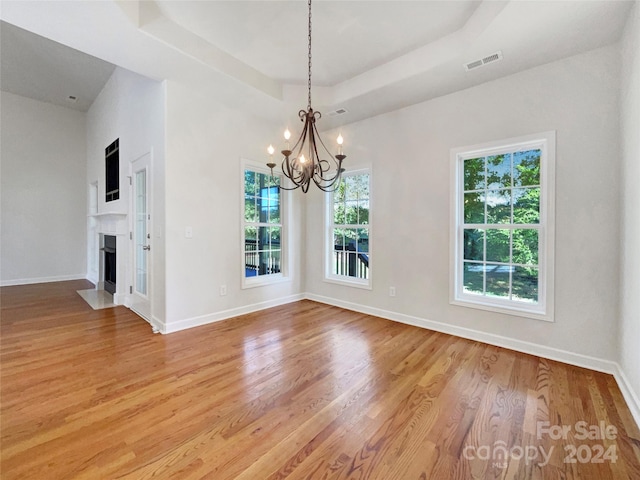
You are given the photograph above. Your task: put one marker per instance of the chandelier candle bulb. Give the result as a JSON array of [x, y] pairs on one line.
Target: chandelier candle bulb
[[287, 136], [340, 140]]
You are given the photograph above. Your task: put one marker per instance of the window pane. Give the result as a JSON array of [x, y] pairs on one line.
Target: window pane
[[498, 245], [274, 214], [338, 213], [250, 210], [262, 208], [351, 212], [250, 234], [363, 212], [352, 262], [499, 171], [351, 190], [474, 174], [473, 278], [263, 259], [473, 244], [275, 261], [526, 207], [525, 246], [250, 186], [357, 187], [526, 168], [499, 206], [263, 238], [498, 280], [339, 195], [473, 208], [350, 237], [363, 240], [338, 238], [274, 234], [250, 252], [362, 184], [525, 284]]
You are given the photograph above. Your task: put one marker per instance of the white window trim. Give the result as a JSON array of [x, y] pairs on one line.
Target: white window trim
[[544, 310], [285, 257], [329, 277]]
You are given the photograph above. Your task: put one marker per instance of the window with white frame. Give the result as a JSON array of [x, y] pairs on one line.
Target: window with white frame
[[503, 226], [262, 227], [349, 229]]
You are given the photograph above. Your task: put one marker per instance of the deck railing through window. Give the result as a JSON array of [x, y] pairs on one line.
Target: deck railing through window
[[258, 262], [350, 263]]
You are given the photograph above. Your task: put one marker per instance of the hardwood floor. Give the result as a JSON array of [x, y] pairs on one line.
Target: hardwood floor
[[299, 391]]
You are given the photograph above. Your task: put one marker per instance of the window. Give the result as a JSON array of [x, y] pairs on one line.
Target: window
[[503, 226], [349, 228], [112, 175], [262, 232]]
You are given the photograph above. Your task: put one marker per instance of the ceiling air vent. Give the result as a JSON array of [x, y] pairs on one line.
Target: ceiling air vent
[[494, 57], [339, 111], [72, 99]]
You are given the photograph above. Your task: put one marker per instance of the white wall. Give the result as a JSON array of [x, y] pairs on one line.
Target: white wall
[[43, 192], [630, 206], [131, 108], [205, 143], [410, 153]]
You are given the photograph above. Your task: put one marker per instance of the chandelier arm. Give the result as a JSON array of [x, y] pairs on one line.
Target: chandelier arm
[[325, 147]]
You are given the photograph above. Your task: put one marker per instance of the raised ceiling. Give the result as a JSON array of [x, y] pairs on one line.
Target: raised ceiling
[[349, 37], [35, 67], [369, 57]]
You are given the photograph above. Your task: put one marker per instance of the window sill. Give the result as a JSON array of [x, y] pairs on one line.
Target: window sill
[[349, 283], [264, 281], [519, 312]]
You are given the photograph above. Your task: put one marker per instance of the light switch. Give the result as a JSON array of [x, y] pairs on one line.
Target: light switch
[[188, 232]]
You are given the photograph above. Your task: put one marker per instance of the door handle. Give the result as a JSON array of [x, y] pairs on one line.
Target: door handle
[[146, 247]]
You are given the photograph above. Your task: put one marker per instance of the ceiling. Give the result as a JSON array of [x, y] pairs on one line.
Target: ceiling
[[349, 37], [35, 67], [369, 57]]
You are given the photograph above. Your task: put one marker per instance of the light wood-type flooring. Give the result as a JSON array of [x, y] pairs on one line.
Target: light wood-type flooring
[[301, 391]]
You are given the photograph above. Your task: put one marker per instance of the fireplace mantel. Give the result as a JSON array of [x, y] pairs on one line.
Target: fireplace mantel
[[111, 223]]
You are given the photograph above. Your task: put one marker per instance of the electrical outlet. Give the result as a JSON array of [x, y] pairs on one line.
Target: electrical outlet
[[188, 232], [392, 291], [223, 290]]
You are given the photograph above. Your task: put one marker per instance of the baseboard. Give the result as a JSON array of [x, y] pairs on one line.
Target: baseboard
[[551, 353], [157, 325], [630, 396], [224, 314], [577, 359], [31, 281]]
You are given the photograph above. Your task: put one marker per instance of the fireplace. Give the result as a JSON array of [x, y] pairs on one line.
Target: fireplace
[[110, 263]]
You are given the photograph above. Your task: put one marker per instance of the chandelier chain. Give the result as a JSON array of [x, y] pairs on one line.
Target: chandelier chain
[[309, 54]]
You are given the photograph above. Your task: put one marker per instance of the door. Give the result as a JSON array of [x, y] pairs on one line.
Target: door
[[141, 236]]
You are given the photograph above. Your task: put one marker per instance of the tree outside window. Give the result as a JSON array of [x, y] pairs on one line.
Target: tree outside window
[[262, 225], [350, 255]]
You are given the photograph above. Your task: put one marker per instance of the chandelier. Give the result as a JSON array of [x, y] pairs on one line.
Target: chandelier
[[301, 169]]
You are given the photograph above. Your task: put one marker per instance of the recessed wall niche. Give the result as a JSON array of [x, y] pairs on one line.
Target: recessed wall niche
[[112, 165]]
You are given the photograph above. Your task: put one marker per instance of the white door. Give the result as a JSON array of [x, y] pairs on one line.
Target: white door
[[141, 237]]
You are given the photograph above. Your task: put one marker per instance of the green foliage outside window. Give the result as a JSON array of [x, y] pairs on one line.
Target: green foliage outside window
[[502, 190], [351, 227], [263, 225]]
